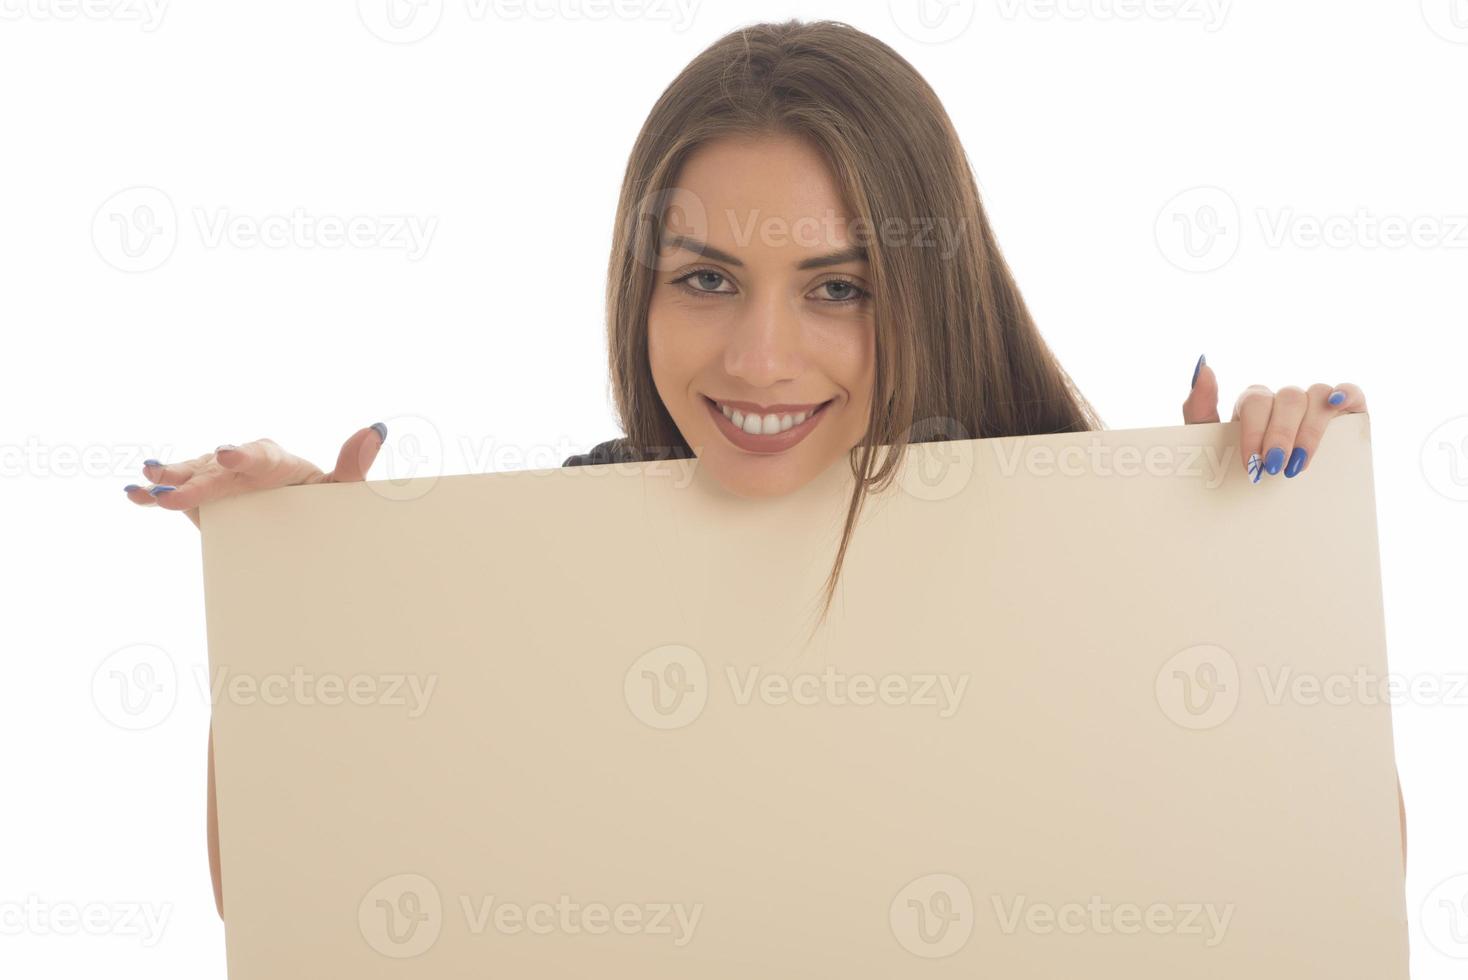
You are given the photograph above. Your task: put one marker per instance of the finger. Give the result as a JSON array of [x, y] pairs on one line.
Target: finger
[[1252, 410], [139, 494], [357, 454], [258, 465], [203, 488], [163, 478], [173, 474], [1326, 403], [1347, 398], [1317, 416], [1202, 402], [265, 465], [1284, 421]]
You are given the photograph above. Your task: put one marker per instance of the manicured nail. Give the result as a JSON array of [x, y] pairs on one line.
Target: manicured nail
[[381, 430], [1274, 461], [1297, 463], [1337, 398], [151, 462], [130, 488], [1256, 467], [228, 447], [1196, 369], [157, 490]]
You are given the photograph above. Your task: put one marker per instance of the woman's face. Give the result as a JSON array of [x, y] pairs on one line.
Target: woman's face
[[760, 328]]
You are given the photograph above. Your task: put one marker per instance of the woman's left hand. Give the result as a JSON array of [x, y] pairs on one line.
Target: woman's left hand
[[1281, 429]]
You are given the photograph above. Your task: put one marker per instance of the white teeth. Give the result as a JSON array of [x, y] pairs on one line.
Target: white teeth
[[762, 425]]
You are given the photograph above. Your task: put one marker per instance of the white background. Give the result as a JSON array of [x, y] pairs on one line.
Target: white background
[[502, 132]]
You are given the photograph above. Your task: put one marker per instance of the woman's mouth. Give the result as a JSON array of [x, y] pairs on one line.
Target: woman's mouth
[[758, 428]]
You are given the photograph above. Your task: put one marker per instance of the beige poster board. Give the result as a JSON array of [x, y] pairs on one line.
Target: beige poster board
[[1087, 705]]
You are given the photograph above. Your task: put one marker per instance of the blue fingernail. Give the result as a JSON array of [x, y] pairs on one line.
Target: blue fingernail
[[381, 430], [130, 488], [1337, 398], [1297, 463], [1256, 469], [1196, 369], [1274, 461], [157, 490], [151, 462]]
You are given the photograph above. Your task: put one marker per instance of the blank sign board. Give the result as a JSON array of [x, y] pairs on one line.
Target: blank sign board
[[1090, 704]]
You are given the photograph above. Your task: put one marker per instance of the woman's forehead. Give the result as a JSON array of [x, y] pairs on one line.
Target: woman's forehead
[[760, 193]]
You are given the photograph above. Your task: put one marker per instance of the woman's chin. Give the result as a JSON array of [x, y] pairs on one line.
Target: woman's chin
[[757, 476]]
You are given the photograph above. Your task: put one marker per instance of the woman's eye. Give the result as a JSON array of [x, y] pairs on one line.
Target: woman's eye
[[840, 291], [704, 281]]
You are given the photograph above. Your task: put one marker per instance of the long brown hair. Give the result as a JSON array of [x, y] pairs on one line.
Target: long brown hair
[[957, 354]]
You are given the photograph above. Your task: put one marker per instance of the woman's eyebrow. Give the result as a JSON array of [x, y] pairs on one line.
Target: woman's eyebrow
[[701, 248], [854, 253]]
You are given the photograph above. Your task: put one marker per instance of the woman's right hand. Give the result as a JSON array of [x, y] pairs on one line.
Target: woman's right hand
[[226, 472], [258, 465]]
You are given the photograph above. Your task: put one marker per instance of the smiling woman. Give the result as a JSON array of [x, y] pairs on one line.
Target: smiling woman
[[802, 270], [780, 294]]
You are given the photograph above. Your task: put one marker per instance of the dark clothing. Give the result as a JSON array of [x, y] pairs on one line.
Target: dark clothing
[[619, 451], [611, 451]]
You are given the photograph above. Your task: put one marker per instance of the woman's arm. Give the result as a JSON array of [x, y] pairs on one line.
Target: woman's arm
[[213, 810], [1402, 809]]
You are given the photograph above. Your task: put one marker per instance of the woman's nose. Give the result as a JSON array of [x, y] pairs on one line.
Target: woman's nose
[[764, 347]]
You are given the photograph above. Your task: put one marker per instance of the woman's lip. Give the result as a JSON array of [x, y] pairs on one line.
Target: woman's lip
[[765, 445]]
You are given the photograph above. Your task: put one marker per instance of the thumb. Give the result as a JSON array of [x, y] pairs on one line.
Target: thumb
[[357, 454], [1202, 401]]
